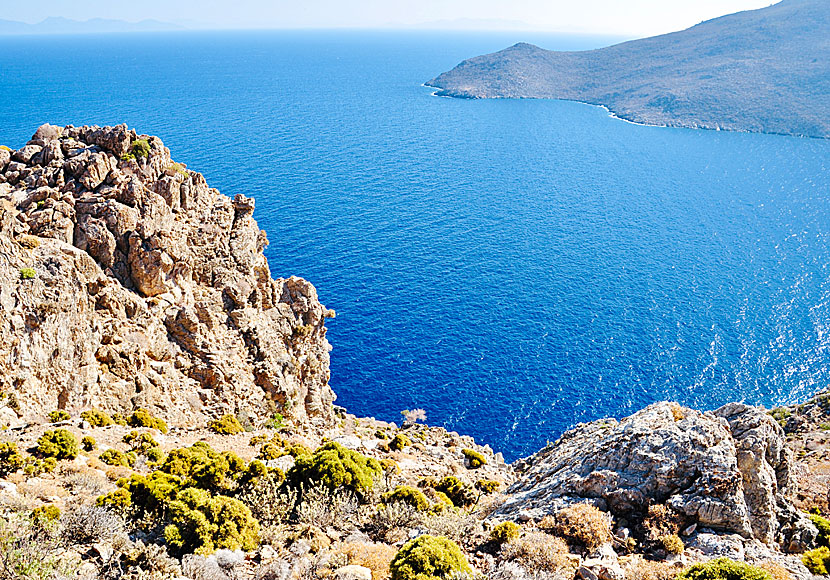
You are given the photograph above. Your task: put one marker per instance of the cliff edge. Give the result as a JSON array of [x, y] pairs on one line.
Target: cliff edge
[[125, 281]]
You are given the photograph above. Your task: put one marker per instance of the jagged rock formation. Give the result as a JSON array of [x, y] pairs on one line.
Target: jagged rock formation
[[761, 70], [727, 470], [126, 281]]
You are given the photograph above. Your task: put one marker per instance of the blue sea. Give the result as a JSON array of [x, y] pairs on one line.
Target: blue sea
[[513, 267]]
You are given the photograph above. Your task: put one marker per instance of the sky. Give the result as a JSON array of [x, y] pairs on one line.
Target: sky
[[623, 17]]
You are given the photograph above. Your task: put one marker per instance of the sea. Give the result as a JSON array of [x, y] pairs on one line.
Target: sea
[[512, 267]]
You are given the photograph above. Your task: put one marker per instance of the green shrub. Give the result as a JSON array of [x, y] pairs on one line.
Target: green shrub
[[400, 442], [823, 527], [277, 421], [119, 419], [88, 443], [460, 494], [46, 514], [817, 561], [96, 418], [27, 273], [505, 532], [33, 467], [141, 418], [155, 455], [58, 416], [139, 442], [116, 458], [202, 523], [672, 544], [409, 495], [724, 569], [474, 458], [60, 444], [428, 558], [227, 425], [10, 458], [334, 466], [201, 466], [278, 447], [487, 486], [140, 148], [119, 501]]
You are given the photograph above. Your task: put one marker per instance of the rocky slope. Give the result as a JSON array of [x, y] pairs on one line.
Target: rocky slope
[[125, 281], [762, 71]]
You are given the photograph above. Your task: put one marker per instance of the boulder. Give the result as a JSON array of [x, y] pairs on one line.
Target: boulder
[[726, 470]]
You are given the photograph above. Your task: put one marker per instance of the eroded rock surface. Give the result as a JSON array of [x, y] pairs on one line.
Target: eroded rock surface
[[126, 281], [727, 470]]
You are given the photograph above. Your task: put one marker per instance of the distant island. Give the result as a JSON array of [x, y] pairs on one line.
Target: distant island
[[764, 70], [58, 25]]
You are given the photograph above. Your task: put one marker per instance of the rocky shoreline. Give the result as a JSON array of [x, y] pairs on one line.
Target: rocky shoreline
[[156, 383]]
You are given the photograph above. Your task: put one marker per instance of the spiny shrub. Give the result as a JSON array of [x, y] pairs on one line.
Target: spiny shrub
[[201, 466], [474, 458], [584, 524], [140, 148], [60, 444], [409, 495], [203, 523], [724, 569], [27, 273], [539, 552], [88, 443], [140, 442], [823, 527], [141, 418], [400, 442], [505, 532], [10, 458], [119, 501], [334, 466], [227, 425], [33, 467], [428, 558], [115, 457], [817, 561], [672, 544], [487, 486], [460, 494], [96, 418], [46, 514], [58, 416]]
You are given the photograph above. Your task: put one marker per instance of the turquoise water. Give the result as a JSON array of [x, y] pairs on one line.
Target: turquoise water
[[512, 267]]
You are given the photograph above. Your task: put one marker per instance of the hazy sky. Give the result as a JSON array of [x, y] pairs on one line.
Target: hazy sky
[[628, 17]]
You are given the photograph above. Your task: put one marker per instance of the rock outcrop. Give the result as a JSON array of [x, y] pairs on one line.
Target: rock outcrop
[[726, 470], [125, 281]]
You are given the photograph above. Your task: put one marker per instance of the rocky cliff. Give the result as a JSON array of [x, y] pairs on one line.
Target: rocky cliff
[[125, 281]]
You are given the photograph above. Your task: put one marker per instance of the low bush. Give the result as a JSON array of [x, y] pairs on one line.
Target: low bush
[[460, 493], [474, 458], [116, 458], [140, 148], [277, 421], [269, 501], [672, 544], [724, 569], [399, 442], [823, 527], [583, 524], [46, 514], [119, 501], [84, 524], [375, 557], [487, 486], [60, 444], [58, 416], [539, 552], [97, 418], [141, 418], [27, 273], [505, 532], [334, 466], [140, 442], [10, 458], [428, 558], [227, 425], [88, 443], [202, 523], [33, 467], [409, 495], [816, 561]]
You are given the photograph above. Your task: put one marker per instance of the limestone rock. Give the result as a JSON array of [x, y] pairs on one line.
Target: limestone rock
[[727, 470], [150, 290]]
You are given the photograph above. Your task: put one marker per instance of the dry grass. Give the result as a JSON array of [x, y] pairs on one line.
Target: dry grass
[[376, 557], [539, 552], [776, 570], [639, 568], [583, 524]]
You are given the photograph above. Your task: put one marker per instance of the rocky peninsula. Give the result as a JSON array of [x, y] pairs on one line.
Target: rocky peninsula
[[759, 71], [166, 414]]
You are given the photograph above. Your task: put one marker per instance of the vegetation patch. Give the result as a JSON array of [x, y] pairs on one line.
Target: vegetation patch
[[27, 273], [474, 458], [58, 416], [724, 569], [227, 425], [505, 532], [141, 418], [60, 444], [334, 466], [97, 418], [428, 558]]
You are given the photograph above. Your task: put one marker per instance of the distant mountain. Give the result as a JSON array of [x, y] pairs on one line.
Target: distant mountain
[[56, 25], [764, 70]]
